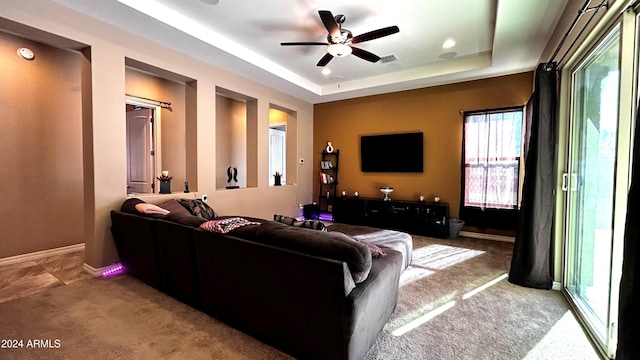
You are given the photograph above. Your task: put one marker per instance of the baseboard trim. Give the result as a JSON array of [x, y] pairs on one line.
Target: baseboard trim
[[93, 271], [98, 272], [41, 254], [484, 236]]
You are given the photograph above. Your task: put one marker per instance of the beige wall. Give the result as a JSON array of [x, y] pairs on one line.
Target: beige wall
[[104, 130], [435, 111], [40, 148]]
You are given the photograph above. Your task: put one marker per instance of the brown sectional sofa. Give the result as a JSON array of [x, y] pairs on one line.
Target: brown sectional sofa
[[309, 293]]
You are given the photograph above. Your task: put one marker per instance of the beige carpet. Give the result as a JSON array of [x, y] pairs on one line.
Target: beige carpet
[[121, 318]]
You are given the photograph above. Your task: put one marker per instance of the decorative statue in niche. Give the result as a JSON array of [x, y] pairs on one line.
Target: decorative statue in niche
[[165, 182], [232, 176], [329, 148], [277, 179]]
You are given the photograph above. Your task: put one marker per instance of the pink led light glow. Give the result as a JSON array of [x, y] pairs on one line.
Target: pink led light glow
[[113, 270]]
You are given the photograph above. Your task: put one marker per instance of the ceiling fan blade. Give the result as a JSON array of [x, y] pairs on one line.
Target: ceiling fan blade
[[303, 43], [364, 54], [375, 34], [329, 22], [325, 60]]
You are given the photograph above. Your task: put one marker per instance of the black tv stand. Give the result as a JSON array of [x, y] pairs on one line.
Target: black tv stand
[[421, 218]]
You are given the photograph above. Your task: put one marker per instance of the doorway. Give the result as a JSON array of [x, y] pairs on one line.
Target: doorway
[[590, 186], [277, 153], [142, 156]]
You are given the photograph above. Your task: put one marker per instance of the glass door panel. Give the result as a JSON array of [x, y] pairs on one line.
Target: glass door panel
[[591, 184]]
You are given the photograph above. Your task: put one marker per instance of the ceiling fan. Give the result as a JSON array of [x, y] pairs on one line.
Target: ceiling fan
[[339, 41]]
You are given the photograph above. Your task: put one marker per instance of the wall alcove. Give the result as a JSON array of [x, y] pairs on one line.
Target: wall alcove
[[236, 140], [170, 138], [283, 144], [41, 142]]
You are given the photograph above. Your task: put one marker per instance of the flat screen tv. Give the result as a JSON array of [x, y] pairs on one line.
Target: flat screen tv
[[392, 152]]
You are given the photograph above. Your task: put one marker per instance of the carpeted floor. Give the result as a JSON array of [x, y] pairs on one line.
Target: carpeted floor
[[438, 317]]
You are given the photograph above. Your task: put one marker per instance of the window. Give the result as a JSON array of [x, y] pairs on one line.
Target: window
[[491, 161]]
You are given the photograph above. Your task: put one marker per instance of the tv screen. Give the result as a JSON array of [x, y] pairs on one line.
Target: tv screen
[[392, 153]]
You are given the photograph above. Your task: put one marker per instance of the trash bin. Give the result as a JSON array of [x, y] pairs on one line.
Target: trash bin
[[455, 225], [311, 211]]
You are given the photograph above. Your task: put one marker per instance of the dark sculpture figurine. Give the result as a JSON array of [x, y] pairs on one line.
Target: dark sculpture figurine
[[232, 175]]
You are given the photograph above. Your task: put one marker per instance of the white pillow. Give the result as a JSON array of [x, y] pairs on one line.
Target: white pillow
[[151, 209]]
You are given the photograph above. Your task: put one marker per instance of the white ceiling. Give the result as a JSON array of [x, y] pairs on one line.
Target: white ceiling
[[493, 38]]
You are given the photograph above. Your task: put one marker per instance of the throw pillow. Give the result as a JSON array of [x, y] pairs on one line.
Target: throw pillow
[[174, 207], [226, 225], [151, 209], [198, 207], [129, 205], [308, 224]]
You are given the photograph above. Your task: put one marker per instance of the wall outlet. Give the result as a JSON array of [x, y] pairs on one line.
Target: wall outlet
[[204, 197]]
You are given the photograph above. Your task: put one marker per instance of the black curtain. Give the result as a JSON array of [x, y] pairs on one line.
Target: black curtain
[[532, 261], [629, 304]]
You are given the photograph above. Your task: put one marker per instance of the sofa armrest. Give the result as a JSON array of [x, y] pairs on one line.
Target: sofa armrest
[[137, 245], [289, 300], [377, 295]]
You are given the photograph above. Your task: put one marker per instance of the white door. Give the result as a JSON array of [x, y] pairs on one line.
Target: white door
[[277, 154], [139, 151]]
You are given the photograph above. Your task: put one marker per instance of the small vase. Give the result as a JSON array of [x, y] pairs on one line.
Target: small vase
[[165, 187], [277, 180]]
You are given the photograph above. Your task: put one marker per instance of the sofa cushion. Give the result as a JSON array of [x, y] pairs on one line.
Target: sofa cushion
[[198, 207], [174, 207], [389, 239], [185, 219], [376, 251], [332, 245], [308, 224]]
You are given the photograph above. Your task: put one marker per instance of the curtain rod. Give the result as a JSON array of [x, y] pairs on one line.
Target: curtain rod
[[165, 103], [550, 65]]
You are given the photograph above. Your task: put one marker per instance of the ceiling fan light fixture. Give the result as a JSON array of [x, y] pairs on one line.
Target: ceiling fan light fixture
[[339, 50]]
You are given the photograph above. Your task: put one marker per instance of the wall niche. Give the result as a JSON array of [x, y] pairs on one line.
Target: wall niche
[[283, 145], [168, 142], [41, 141], [236, 140]]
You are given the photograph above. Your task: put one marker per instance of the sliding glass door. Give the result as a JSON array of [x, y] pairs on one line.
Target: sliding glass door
[[590, 186]]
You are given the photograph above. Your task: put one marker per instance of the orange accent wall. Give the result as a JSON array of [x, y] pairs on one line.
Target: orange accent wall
[[435, 111]]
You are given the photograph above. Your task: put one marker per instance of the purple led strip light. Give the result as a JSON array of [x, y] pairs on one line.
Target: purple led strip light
[[113, 270]]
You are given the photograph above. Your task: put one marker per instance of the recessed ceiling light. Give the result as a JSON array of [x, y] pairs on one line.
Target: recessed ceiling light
[[326, 71], [210, 2], [448, 44], [26, 54]]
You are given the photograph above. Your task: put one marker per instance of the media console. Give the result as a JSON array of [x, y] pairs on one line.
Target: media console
[[421, 218]]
